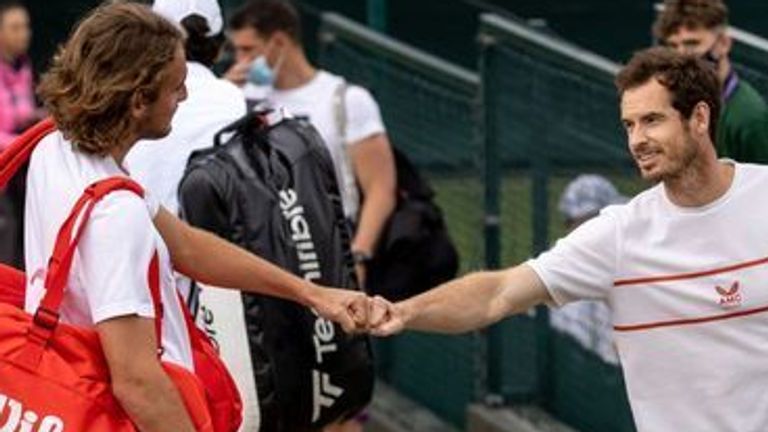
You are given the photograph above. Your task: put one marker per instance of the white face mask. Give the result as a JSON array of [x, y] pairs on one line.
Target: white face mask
[[261, 73]]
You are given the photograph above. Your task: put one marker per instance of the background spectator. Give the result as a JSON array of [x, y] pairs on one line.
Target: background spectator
[[266, 37], [589, 322], [700, 27], [17, 111]]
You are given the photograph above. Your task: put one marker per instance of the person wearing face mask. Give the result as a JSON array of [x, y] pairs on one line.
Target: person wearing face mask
[[699, 27], [271, 65]]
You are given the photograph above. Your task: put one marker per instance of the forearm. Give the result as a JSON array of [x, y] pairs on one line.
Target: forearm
[[153, 403], [374, 214], [214, 261], [474, 301]]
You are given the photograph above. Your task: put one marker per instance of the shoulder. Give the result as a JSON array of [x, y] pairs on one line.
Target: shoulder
[[753, 175], [218, 92], [121, 219], [354, 94], [48, 147], [359, 97], [746, 104], [643, 206], [225, 88]]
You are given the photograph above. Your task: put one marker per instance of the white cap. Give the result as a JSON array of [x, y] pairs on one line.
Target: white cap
[[586, 195], [177, 10]]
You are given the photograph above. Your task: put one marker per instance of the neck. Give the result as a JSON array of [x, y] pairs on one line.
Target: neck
[[295, 71], [723, 70], [120, 151], [703, 182]]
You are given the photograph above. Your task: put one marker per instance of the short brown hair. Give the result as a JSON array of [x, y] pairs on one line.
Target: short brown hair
[[689, 79], [115, 51], [268, 17], [708, 14]]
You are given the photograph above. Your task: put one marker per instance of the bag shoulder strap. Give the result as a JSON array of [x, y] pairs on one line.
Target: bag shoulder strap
[[46, 317], [61, 259], [340, 109], [13, 157]]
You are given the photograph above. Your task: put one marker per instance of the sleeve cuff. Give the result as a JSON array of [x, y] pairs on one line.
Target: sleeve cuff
[[556, 295], [144, 310], [368, 130]]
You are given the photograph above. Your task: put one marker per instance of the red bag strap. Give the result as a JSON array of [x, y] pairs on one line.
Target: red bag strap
[[60, 264], [157, 301], [195, 340], [13, 157]]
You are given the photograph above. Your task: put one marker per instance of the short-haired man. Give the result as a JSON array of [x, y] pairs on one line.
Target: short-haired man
[[266, 35], [700, 27], [682, 265]]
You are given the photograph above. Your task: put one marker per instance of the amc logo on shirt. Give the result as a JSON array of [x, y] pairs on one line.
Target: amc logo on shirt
[[729, 297]]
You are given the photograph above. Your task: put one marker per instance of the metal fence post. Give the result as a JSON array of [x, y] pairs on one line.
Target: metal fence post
[[490, 370]]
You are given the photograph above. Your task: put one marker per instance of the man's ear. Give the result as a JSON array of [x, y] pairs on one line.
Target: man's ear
[[726, 43], [139, 105], [700, 118], [281, 40]]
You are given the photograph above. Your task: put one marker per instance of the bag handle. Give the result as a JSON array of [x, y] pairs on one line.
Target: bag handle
[[14, 156]]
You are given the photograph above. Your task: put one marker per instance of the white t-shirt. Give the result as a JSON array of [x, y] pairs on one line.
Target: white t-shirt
[[211, 104], [315, 101], [109, 275], [687, 288]]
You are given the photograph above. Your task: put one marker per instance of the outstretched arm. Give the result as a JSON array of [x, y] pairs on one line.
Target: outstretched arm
[[468, 303], [206, 258]]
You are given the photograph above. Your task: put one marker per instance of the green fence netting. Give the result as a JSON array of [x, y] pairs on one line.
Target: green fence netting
[[551, 114], [431, 111], [500, 151]]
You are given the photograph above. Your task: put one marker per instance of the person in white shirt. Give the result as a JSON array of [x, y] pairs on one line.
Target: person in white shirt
[[211, 104], [119, 79], [682, 265], [271, 64]]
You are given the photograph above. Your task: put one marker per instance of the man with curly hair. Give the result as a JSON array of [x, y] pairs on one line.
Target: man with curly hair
[[699, 27], [119, 79]]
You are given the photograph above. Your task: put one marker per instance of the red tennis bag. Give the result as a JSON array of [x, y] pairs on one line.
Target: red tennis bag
[[53, 376]]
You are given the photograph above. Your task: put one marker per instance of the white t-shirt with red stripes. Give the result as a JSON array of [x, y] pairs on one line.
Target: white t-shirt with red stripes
[[109, 276], [688, 288]]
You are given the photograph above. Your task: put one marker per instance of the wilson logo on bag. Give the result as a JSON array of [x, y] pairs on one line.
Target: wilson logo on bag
[[14, 417], [54, 374]]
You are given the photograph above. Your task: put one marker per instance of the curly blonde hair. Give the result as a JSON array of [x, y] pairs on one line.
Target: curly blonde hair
[[119, 49]]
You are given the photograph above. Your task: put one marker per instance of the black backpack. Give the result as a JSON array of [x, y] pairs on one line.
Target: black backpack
[[415, 252], [271, 188]]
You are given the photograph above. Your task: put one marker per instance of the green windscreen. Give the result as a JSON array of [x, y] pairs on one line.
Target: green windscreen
[[431, 109]]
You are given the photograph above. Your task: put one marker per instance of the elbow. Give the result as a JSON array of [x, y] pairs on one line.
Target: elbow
[[183, 254]]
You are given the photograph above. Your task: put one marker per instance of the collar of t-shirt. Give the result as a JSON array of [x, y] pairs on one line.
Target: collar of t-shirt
[[729, 87], [674, 208]]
